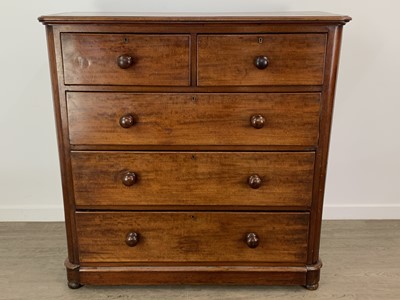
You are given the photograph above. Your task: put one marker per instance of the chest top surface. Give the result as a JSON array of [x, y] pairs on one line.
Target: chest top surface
[[134, 17]]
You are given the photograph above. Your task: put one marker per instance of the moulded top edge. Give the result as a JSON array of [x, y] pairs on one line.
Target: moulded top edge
[[264, 17]]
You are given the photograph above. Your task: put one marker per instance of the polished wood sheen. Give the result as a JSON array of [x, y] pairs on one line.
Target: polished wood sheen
[[296, 17], [252, 240], [254, 181], [127, 121], [293, 59], [129, 178], [195, 237], [194, 119], [193, 147], [261, 62], [126, 59], [193, 178], [132, 239], [257, 121]]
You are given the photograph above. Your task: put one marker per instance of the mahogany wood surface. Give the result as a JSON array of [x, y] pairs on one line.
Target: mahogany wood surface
[[192, 236], [155, 59], [293, 59], [194, 275], [193, 119], [332, 65], [193, 148], [248, 17], [193, 178]]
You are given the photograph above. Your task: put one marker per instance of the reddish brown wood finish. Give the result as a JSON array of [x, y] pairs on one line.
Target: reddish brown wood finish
[[192, 237], [196, 83], [192, 178], [332, 64], [303, 17], [60, 116], [194, 275], [194, 119], [293, 59], [155, 59]]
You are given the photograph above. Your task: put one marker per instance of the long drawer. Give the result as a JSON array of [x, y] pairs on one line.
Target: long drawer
[[262, 59], [196, 237], [182, 179], [193, 119], [126, 59]]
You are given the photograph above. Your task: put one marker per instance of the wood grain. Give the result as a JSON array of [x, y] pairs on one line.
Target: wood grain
[[228, 60], [220, 17], [193, 119], [158, 59], [192, 236], [182, 88], [193, 178], [32, 254], [194, 276], [332, 65]]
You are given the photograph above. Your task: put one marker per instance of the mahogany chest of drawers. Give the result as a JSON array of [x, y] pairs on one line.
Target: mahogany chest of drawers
[[193, 149]]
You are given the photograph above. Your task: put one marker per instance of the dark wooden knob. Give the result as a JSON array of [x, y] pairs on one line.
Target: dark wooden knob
[[257, 121], [131, 239], [129, 179], [261, 62], [125, 61], [252, 240], [254, 181], [126, 121]]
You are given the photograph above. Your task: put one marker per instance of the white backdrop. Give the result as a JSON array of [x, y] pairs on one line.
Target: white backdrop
[[364, 165]]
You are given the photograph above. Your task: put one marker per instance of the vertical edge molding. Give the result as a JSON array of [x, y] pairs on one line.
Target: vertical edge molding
[[328, 94], [60, 113]]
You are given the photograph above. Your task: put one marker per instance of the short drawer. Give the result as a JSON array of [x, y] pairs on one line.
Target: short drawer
[[126, 59], [195, 237], [118, 179], [290, 119], [257, 60]]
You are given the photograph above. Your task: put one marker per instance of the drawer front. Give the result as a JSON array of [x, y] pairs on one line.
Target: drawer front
[[194, 119], [126, 59], [182, 179], [292, 59], [196, 237]]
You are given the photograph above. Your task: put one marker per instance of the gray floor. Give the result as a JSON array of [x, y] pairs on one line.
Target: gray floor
[[361, 261]]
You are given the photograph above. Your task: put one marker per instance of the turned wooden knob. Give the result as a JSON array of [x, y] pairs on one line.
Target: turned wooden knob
[[126, 121], [132, 238], [129, 178], [252, 240], [254, 181], [125, 61], [261, 62], [257, 121]]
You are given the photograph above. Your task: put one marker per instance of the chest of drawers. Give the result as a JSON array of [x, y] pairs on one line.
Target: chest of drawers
[[193, 149]]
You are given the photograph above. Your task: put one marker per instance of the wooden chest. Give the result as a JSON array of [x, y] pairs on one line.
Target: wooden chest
[[193, 149]]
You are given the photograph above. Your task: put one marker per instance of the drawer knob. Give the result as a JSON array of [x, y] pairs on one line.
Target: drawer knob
[[131, 239], [126, 121], [257, 121], [254, 181], [252, 240], [129, 179], [125, 61], [261, 62]]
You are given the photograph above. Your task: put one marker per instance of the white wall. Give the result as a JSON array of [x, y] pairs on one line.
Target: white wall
[[364, 164]]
